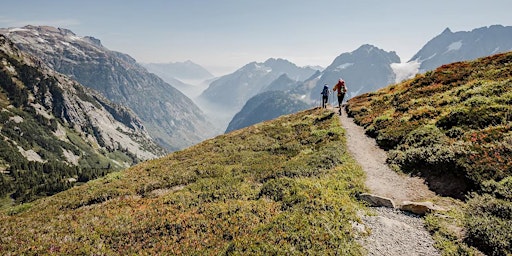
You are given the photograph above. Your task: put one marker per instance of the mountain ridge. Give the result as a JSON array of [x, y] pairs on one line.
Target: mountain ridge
[[449, 46]]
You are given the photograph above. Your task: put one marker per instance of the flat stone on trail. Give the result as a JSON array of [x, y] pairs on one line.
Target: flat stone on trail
[[377, 201], [420, 208]]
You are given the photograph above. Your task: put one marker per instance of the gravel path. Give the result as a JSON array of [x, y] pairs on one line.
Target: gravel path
[[392, 232]]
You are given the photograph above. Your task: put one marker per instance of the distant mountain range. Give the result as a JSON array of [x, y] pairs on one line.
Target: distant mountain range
[[187, 70], [369, 68], [188, 77], [451, 47], [232, 91], [366, 69], [169, 116], [228, 94]]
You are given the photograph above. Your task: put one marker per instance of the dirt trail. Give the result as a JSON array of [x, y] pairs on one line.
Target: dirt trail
[[392, 232], [381, 180]]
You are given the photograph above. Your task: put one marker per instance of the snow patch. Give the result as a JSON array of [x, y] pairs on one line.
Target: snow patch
[[422, 60], [405, 71], [343, 66], [17, 29], [74, 38], [454, 46]]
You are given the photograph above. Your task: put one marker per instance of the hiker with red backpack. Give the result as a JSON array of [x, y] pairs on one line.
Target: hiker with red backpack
[[342, 89]]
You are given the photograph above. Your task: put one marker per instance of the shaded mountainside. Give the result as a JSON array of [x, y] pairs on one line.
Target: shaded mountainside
[[453, 126], [54, 129], [171, 118], [451, 46], [266, 106], [282, 186]]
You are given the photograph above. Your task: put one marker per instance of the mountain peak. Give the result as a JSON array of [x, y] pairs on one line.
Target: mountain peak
[[447, 31]]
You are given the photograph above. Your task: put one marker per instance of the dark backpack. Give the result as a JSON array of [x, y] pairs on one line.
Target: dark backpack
[[325, 91]]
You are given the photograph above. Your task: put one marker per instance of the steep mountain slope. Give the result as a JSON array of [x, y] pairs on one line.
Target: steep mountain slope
[[451, 47], [53, 129], [453, 126], [280, 187], [169, 116], [266, 106]]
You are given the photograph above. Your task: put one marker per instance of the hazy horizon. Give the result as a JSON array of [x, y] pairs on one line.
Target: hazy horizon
[[224, 35]]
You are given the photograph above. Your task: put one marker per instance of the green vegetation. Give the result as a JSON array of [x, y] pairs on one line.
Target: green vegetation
[[22, 129], [286, 186], [453, 126]]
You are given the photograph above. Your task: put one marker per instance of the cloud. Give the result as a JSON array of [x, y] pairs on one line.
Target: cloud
[[405, 71]]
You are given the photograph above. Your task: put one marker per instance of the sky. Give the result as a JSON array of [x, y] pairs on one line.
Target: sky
[[224, 35]]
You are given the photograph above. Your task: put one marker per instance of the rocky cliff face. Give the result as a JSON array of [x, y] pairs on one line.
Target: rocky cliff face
[[171, 118], [49, 117]]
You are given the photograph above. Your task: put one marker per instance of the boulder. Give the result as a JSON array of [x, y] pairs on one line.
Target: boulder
[[376, 201], [420, 208]]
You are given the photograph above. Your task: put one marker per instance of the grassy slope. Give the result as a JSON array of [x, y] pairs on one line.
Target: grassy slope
[[266, 189], [454, 127]]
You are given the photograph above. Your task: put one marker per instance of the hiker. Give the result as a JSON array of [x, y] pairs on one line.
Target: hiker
[[342, 89], [325, 95]]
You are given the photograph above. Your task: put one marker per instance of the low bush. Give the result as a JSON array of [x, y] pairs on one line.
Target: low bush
[[489, 217]]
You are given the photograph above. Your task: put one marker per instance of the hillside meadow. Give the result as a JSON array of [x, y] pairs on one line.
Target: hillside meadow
[[285, 186], [453, 126]]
